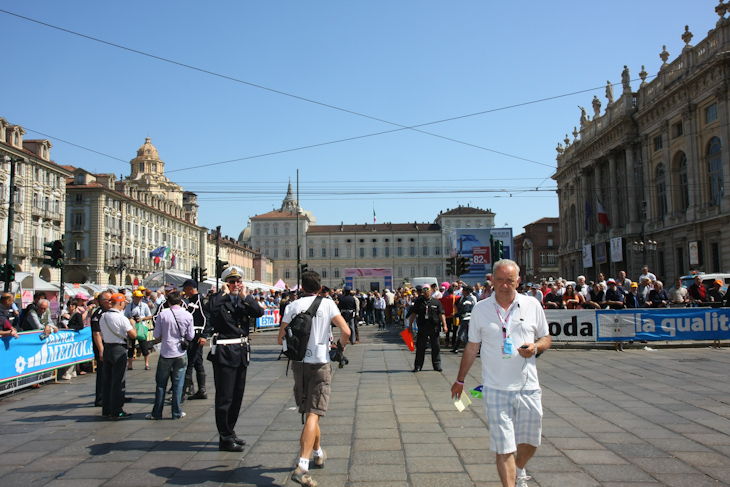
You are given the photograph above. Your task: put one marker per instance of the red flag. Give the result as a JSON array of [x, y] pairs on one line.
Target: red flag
[[408, 338], [157, 260], [602, 215]]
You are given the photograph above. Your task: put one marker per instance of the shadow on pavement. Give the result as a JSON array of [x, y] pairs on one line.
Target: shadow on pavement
[[256, 475], [149, 445]]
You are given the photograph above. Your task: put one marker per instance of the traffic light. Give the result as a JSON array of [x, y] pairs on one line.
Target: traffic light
[[303, 269], [220, 265], [2, 272], [499, 245], [450, 267], [48, 253], [462, 266], [58, 254], [202, 271], [194, 274], [53, 253], [10, 272]]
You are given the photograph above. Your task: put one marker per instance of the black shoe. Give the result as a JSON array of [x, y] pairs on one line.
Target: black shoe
[[122, 415], [416, 369], [97, 404], [229, 445], [437, 368], [239, 441], [454, 351], [201, 394]]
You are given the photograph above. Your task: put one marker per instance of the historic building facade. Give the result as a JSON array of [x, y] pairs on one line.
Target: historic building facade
[[40, 200], [256, 267], [410, 249], [652, 166], [113, 225], [536, 250]]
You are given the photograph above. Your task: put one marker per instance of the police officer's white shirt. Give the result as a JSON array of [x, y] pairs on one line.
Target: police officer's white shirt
[[114, 326], [527, 324], [318, 348]]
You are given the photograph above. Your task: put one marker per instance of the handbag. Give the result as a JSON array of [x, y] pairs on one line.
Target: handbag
[[184, 342]]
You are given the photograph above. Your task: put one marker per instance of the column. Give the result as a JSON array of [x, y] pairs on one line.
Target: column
[[631, 184], [613, 181], [694, 160], [722, 107], [597, 185], [582, 198], [669, 178]]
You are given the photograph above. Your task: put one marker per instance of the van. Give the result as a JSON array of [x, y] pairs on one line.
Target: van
[[707, 280], [424, 281]]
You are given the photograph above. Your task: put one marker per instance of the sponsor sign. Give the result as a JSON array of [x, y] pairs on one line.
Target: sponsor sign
[[617, 251], [270, 319], [639, 324], [587, 256], [601, 257], [28, 354]]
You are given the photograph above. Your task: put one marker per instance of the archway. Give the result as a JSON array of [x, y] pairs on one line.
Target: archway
[[45, 274]]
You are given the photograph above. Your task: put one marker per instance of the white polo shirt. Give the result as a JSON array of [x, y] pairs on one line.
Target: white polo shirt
[[525, 324], [114, 326]]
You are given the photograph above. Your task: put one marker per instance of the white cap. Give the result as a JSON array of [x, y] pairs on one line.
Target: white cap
[[232, 271]]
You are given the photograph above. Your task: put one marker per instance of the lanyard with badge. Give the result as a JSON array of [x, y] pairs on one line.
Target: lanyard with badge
[[507, 344]]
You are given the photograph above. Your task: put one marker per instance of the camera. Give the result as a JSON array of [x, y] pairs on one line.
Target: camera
[[338, 355]]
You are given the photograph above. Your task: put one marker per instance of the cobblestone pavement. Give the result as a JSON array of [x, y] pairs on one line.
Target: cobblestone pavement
[[611, 419]]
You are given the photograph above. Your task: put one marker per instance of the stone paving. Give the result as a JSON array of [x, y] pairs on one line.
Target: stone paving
[[637, 418]]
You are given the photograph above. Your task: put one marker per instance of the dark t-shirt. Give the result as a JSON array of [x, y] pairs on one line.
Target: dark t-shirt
[[554, 298], [431, 308], [347, 303]]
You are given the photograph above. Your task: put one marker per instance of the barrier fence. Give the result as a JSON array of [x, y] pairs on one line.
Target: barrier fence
[[639, 324], [28, 355]]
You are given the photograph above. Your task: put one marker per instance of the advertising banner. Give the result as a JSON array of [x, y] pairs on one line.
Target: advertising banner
[[270, 319], [28, 354], [639, 324], [601, 257], [617, 251], [587, 256], [354, 272], [473, 243]]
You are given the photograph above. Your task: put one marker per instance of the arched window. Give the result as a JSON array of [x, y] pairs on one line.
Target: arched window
[[683, 183], [714, 170], [661, 190]]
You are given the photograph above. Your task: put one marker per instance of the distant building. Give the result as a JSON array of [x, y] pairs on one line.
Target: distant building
[[655, 160], [113, 225], [40, 200], [256, 267], [536, 250], [411, 249]]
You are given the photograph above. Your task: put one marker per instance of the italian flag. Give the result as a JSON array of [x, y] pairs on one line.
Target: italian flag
[[374, 219], [602, 215]]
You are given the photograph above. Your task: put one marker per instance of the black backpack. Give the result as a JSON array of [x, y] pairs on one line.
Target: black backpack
[[296, 334]]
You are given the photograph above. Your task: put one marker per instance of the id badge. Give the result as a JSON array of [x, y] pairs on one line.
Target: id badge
[[507, 349]]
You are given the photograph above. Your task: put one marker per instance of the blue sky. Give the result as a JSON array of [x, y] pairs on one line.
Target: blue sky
[[405, 62]]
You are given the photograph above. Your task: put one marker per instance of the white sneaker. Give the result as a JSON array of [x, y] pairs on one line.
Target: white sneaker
[[66, 377], [522, 481]]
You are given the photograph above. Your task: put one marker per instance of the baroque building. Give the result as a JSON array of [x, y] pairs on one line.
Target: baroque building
[[40, 200], [410, 249], [113, 225], [652, 167]]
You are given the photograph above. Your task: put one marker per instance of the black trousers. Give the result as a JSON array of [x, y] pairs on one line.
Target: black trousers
[[425, 333], [230, 383], [195, 361], [115, 366], [99, 377]]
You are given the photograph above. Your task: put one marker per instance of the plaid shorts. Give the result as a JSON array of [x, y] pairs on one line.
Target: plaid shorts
[[514, 417]]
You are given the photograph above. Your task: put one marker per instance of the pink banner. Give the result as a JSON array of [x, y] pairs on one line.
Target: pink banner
[[369, 272]]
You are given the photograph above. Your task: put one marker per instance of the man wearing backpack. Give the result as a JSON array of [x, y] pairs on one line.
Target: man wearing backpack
[[312, 376]]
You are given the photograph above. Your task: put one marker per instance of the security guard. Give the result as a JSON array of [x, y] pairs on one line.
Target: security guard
[[230, 312], [429, 312], [194, 305]]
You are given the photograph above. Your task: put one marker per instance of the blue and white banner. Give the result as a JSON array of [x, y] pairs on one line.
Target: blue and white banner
[[639, 324], [270, 319], [28, 354]]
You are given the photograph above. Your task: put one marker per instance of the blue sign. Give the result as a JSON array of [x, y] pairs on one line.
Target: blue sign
[[664, 324], [28, 354]]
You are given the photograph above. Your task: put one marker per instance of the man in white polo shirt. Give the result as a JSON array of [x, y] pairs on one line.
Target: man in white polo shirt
[[115, 328], [512, 330]]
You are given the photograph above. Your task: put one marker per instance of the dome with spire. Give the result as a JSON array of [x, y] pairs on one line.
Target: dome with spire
[[290, 202], [147, 163]]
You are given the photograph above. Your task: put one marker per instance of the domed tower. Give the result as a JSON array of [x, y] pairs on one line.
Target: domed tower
[[290, 203], [147, 161]]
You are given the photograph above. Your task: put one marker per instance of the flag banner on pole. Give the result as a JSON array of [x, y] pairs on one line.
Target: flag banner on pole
[[158, 252], [602, 215]]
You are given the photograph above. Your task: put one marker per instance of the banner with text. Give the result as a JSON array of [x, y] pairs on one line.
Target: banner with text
[[270, 319], [639, 324], [28, 354]]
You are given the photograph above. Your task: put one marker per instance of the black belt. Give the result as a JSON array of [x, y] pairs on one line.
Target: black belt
[[113, 343]]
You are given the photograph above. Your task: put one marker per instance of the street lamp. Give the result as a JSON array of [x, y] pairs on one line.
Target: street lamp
[[641, 247], [121, 262]]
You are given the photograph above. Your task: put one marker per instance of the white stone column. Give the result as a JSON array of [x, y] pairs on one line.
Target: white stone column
[[694, 161], [583, 193], [631, 185], [600, 228], [667, 170]]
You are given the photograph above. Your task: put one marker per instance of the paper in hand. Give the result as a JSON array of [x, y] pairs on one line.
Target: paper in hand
[[462, 402]]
